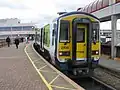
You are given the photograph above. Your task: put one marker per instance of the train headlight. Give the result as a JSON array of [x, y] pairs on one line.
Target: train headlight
[[60, 53], [64, 53], [97, 52]]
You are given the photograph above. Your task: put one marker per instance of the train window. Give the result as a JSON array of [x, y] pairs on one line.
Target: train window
[[46, 39], [80, 35], [99, 4], [95, 32], [64, 31], [105, 3]]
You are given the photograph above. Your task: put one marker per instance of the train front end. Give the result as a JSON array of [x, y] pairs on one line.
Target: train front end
[[78, 43]]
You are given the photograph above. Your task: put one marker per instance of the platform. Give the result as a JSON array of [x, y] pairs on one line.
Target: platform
[[17, 72], [109, 63]]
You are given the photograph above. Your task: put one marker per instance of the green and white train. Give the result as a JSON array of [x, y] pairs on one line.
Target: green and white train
[[71, 42]]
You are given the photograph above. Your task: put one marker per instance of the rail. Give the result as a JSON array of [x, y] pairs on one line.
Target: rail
[[108, 77], [110, 71]]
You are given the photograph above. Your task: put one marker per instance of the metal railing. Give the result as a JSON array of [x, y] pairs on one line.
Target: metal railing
[[2, 43], [106, 49]]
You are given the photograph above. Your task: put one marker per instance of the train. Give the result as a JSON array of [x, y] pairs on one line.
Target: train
[[71, 42]]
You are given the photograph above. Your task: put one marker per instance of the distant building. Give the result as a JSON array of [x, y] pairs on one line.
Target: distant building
[[13, 27], [9, 21], [107, 34]]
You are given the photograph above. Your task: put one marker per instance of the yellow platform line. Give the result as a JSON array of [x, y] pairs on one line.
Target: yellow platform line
[[42, 67], [54, 79], [61, 74], [42, 77], [62, 87], [30, 52]]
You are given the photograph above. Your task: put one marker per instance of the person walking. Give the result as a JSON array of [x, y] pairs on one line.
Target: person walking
[[16, 42], [26, 39], [8, 41], [22, 39]]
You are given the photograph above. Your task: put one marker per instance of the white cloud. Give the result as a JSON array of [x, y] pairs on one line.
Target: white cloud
[[12, 5], [38, 11]]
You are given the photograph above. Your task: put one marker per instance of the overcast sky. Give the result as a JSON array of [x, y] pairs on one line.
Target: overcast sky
[[39, 11]]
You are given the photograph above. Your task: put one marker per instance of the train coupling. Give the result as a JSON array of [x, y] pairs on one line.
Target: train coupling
[[80, 71]]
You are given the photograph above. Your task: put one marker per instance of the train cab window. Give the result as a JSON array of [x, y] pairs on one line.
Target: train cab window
[[105, 3], [99, 4], [80, 35], [95, 31], [64, 31]]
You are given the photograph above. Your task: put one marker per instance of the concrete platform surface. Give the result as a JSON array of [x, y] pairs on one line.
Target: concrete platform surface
[[54, 79], [17, 72], [109, 63]]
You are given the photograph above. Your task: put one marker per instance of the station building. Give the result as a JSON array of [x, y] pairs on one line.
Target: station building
[[105, 35], [13, 27]]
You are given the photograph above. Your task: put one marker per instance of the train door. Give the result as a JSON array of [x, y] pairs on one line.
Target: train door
[[41, 39], [52, 51], [79, 41]]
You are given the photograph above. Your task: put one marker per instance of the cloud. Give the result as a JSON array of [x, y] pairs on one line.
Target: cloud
[[67, 5], [12, 5], [38, 11]]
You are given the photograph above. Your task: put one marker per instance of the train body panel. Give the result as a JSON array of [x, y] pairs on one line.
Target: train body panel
[[72, 42]]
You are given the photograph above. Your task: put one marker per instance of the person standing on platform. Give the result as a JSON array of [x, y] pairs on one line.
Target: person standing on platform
[[26, 39], [16, 42], [22, 39], [8, 41]]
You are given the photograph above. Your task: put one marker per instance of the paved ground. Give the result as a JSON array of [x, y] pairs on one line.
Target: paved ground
[[16, 71], [109, 63], [54, 79]]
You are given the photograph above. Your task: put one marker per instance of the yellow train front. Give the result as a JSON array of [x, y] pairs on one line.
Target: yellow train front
[[77, 43], [71, 42]]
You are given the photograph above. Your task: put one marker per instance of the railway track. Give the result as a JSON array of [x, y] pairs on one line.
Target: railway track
[[107, 76], [110, 71]]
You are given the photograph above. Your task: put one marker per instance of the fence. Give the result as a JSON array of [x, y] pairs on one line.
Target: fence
[[106, 49], [2, 43]]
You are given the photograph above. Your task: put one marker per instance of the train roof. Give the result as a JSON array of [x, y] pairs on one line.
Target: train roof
[[71, 13], [77, 12]]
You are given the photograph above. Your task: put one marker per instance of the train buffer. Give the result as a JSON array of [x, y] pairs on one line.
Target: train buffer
[[24, 69]]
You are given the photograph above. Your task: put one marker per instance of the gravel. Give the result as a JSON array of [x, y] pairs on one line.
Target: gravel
[[107, 78]]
